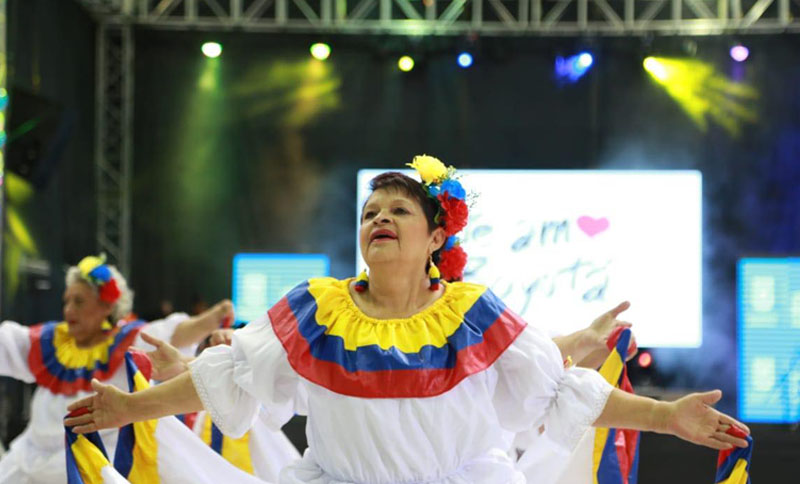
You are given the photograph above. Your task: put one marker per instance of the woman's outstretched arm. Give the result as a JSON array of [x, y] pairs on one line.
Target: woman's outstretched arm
[[691, 418], [197, 328], [15, 344], [110, 407]]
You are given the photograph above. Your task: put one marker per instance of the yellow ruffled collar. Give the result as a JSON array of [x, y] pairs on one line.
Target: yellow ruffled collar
[[332, 343], [64, 368], [444, 299], [341, 316], [71, 355]]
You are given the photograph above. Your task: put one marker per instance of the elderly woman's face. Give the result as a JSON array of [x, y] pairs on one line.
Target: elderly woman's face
[[394, 229], [84, 312]]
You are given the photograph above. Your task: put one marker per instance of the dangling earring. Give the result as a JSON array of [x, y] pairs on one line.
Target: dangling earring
[[106, 326], [434, 275], [362, 282]]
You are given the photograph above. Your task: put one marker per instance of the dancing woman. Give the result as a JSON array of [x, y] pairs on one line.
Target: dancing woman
[[63, 357], [404, 377]]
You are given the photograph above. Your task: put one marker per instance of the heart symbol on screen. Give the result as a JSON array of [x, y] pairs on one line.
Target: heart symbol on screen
[[592, 226]]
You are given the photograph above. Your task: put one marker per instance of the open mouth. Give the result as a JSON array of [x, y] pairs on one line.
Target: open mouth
[[382, 235]]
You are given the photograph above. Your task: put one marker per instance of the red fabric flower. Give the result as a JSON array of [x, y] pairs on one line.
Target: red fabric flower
[[109, 292], [451, 264], [455, 214]]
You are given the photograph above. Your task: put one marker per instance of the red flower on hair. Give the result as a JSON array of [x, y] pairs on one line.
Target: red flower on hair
[[451, 264], [109, 292], [455, 214]]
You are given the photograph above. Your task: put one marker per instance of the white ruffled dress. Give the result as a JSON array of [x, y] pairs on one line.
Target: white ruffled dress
[[37, 455], [428, 399]]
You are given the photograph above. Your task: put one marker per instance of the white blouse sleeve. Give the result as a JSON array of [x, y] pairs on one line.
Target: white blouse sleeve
[[534, 389], [15, 344], [235, 381]]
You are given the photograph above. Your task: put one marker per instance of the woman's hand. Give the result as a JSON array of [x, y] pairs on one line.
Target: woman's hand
[[595, 337], [106, 409], [690, 418], [167, 361], [221, 337], [197, 328], [224, 310], [693, 419]]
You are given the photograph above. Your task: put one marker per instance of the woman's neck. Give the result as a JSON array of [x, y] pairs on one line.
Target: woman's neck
[[91, 340], [397, 293]]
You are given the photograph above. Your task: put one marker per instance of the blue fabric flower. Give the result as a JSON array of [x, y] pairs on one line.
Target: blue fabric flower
[[101, 273], [454, 189], [450, 242], [433, 190]]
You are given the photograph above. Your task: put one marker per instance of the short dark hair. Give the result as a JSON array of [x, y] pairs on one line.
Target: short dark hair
[[414, 189]]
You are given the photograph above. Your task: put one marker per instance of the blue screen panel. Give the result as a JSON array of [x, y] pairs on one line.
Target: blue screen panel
[[261, 280], [769, 339]]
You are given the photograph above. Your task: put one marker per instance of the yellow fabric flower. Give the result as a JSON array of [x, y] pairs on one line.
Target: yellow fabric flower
[[89, 263], [430, 169]]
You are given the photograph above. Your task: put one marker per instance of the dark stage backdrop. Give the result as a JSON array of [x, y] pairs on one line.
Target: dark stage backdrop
[[51, 47], [49, 182]]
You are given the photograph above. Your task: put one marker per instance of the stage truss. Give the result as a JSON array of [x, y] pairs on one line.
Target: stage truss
[[118, 18], [114, 141], [438, 17]]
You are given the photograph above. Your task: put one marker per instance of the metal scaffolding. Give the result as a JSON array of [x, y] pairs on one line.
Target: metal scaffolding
[[450, 17], [114, 141], [117, 18]]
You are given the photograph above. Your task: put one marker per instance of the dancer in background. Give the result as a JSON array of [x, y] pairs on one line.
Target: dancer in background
[[63, 357]]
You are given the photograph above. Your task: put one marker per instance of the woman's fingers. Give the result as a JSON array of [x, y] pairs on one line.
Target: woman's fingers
[[725, 419], [714, 443], [85, 429], [221, 337], [730, 439], [620, 308], [97, 386], [79, 420], [152, 340], [710, 398], [83, 402]]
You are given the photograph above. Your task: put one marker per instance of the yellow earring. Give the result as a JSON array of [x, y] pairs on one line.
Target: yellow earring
[[362, 282], [433, 275]]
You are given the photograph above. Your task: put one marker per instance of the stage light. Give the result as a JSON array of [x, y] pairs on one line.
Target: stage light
[[320, 51], [645, 360], [656, 69], [406, 63], [465, 59], [704, 93], [740, 53], [574, 67], [585, 60], [211, 49]]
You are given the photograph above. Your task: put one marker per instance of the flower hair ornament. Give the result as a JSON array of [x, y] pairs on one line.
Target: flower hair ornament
[[95, 270], [441, 184]]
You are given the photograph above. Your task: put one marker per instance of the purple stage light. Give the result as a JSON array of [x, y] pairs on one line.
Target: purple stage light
[[739, 53]]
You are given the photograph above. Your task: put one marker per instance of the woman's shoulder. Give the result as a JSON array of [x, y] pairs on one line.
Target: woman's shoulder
[[317, 285]]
